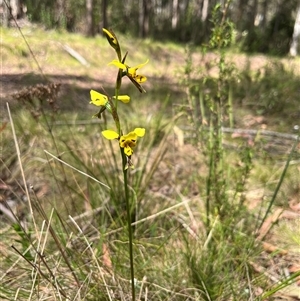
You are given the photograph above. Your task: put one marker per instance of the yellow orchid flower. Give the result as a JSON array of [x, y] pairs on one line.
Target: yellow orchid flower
[[130, 72], [99, 99], [128, 142]]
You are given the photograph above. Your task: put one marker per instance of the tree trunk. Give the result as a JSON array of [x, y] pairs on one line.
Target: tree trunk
[[253, 15], [15, 8], [175, 14], [241, 17], [4, 15], [89, 18], [104, 23], [183, 12], [143, 18], [250, 24], [204, 13], [264, 14], [296, 34], [60, 15], [11, 9]]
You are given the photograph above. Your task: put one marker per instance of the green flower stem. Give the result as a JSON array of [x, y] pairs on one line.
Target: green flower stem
[[230, 105], [117, 92], [115, 115], [125, 175], [202, 106], [128, 209]]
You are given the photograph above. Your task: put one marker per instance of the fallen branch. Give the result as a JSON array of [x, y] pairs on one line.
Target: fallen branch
[[261, 132], [75, 55], [249, 132]]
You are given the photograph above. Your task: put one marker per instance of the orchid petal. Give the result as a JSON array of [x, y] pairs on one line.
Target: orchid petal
[[128, 151], [118, 64], [140, 65], [110, 135], [123, 98], [140, 78], [140, 132], [98, 99]]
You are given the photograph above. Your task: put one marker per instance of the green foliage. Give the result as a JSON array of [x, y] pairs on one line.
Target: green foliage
[[220, 271], [272, 34], [24, 240], [269, 89], [219, 262], [222, 29], [52, 16], [275, 38]]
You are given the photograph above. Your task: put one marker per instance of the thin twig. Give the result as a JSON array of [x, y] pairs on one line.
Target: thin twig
[[251, 132], [81, 172], [21, 169], [150, 217], [75, 55]]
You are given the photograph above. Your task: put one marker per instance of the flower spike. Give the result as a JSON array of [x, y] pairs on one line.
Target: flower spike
[[130, 72], [127, 142], [101, 100]]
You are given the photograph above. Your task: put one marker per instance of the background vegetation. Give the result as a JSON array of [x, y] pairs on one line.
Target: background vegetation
[[265, 26]]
